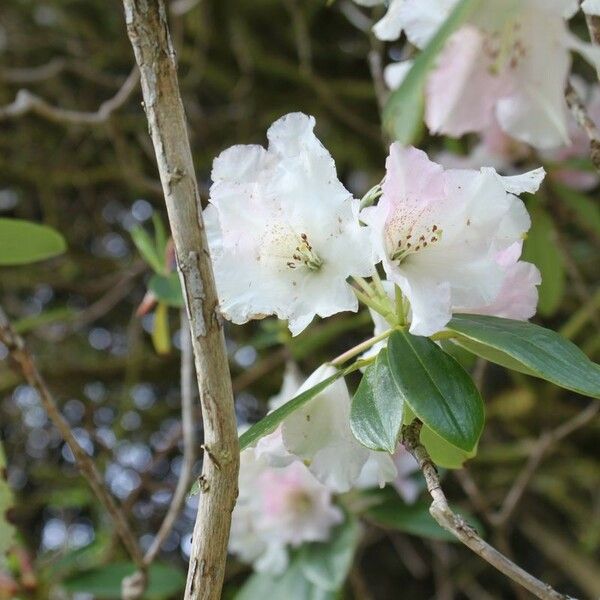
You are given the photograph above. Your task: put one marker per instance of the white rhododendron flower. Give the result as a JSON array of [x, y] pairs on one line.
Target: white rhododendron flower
[[404, 465], [278, 509], [319, 433], [283, 231], [494, 68], [447, 238]]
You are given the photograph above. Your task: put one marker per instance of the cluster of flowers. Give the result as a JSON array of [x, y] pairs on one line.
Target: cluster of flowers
[[286, 237], [288, 480], [285, 234], [506, 68]]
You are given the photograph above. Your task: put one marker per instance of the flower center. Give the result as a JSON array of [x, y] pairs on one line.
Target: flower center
[[504, 47], [304, 255], [410, 242], [299, 501], [283, 246]]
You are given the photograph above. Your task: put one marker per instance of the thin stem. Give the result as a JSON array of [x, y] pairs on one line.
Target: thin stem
[[374, 300], [543, 446], [27, 102], [26, 364], [360, 348], [583, 119], [378, 285], [189, 441], [149, 35], [364, 284], [400, 305], [457, 526]]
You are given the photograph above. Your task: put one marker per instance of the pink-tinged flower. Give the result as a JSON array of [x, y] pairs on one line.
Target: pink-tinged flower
[[496, 67], [278, 509], [499, 150], [282, 229], [441, 234], [495, 149]]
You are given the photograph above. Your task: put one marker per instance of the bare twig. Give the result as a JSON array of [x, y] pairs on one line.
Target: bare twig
[[457, 526], [27, 102], [189, 441], [33, 74], [544, 445], [580, 114], [301, 34], [26, 365], [117, 292], [178, 8], [375, 60], [149, 35], [580, 567]]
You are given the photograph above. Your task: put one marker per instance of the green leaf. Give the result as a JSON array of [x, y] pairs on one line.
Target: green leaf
[[441, 452], [437, 389], [104, 583], [147, 248], [161, 334], [167, 288], [541, 249], [376, 413], [160, 237], [269, 423], [292, 585], [585, 210], [402, 114], [327, 564], [535, 350], [7, 531], [23, 242], [414, 519]]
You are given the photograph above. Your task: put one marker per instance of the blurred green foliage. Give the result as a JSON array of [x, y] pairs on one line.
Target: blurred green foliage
[[242, 64]]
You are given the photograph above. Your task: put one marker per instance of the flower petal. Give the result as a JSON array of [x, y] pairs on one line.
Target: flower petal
[[461, 91]]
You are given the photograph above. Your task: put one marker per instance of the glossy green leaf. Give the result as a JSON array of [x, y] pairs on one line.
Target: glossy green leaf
[[161, 334], [542, 250], [441, 452], [167, 289], [147, 248], [7, 531], [292, 585], [104, 583], [437, 389], [535, 350], [326, 564], [23, 242], [269, 423], [376, 413], [414, 519], [402, 114]]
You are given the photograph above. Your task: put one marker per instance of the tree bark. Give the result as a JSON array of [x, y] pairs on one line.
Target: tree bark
[[149, 35]]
